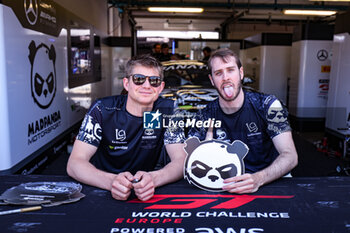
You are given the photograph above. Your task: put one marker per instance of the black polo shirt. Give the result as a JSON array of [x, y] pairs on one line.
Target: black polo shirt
[[123, 143], [255, 123]]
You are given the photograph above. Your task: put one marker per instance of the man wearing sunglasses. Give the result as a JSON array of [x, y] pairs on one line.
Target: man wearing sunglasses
[[113, 150]]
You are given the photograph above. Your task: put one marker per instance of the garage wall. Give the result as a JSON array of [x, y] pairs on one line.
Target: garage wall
[[241, 31], [92, 11]]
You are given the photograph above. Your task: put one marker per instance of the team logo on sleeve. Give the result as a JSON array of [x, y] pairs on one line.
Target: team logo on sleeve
[[92, 130], [152, 120], [275, 113], [209, 163]]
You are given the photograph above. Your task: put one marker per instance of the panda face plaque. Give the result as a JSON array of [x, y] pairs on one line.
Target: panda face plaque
[[209, 163]]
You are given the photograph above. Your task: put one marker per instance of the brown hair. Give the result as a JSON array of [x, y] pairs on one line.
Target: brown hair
[[143, 60], [224, 54]]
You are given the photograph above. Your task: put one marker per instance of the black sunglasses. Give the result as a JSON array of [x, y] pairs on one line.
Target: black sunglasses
[[140, 79]]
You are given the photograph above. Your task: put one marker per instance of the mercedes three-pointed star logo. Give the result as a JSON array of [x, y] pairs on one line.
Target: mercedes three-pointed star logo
[[322, 55], [31, 10]]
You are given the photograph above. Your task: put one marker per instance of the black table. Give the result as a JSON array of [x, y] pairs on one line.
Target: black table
[[320, 204]]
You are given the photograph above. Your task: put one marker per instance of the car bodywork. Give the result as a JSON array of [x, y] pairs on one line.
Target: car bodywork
[[187, 82]]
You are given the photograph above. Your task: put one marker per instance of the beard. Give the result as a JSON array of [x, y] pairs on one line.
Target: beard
[[236, 89]]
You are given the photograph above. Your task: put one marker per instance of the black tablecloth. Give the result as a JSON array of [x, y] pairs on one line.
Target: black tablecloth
[[309, 205]]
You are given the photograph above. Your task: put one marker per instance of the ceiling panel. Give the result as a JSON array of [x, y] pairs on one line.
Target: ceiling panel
[[225, 14]]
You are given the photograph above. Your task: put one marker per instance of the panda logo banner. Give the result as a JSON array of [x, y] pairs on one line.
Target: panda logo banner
[[43, 85], [43, 73]]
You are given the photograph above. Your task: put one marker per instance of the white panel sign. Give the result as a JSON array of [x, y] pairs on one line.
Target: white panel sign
[[311, 65]]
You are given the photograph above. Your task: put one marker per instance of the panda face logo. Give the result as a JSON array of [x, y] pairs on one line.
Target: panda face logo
[[43, 73], [220, 134], [275, 112], [209, 163]]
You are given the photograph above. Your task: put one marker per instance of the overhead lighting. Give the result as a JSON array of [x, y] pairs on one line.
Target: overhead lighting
[[309, 12], [175, 9], [178, 34]]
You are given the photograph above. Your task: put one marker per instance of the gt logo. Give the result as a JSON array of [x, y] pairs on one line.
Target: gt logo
[[198, 200]]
